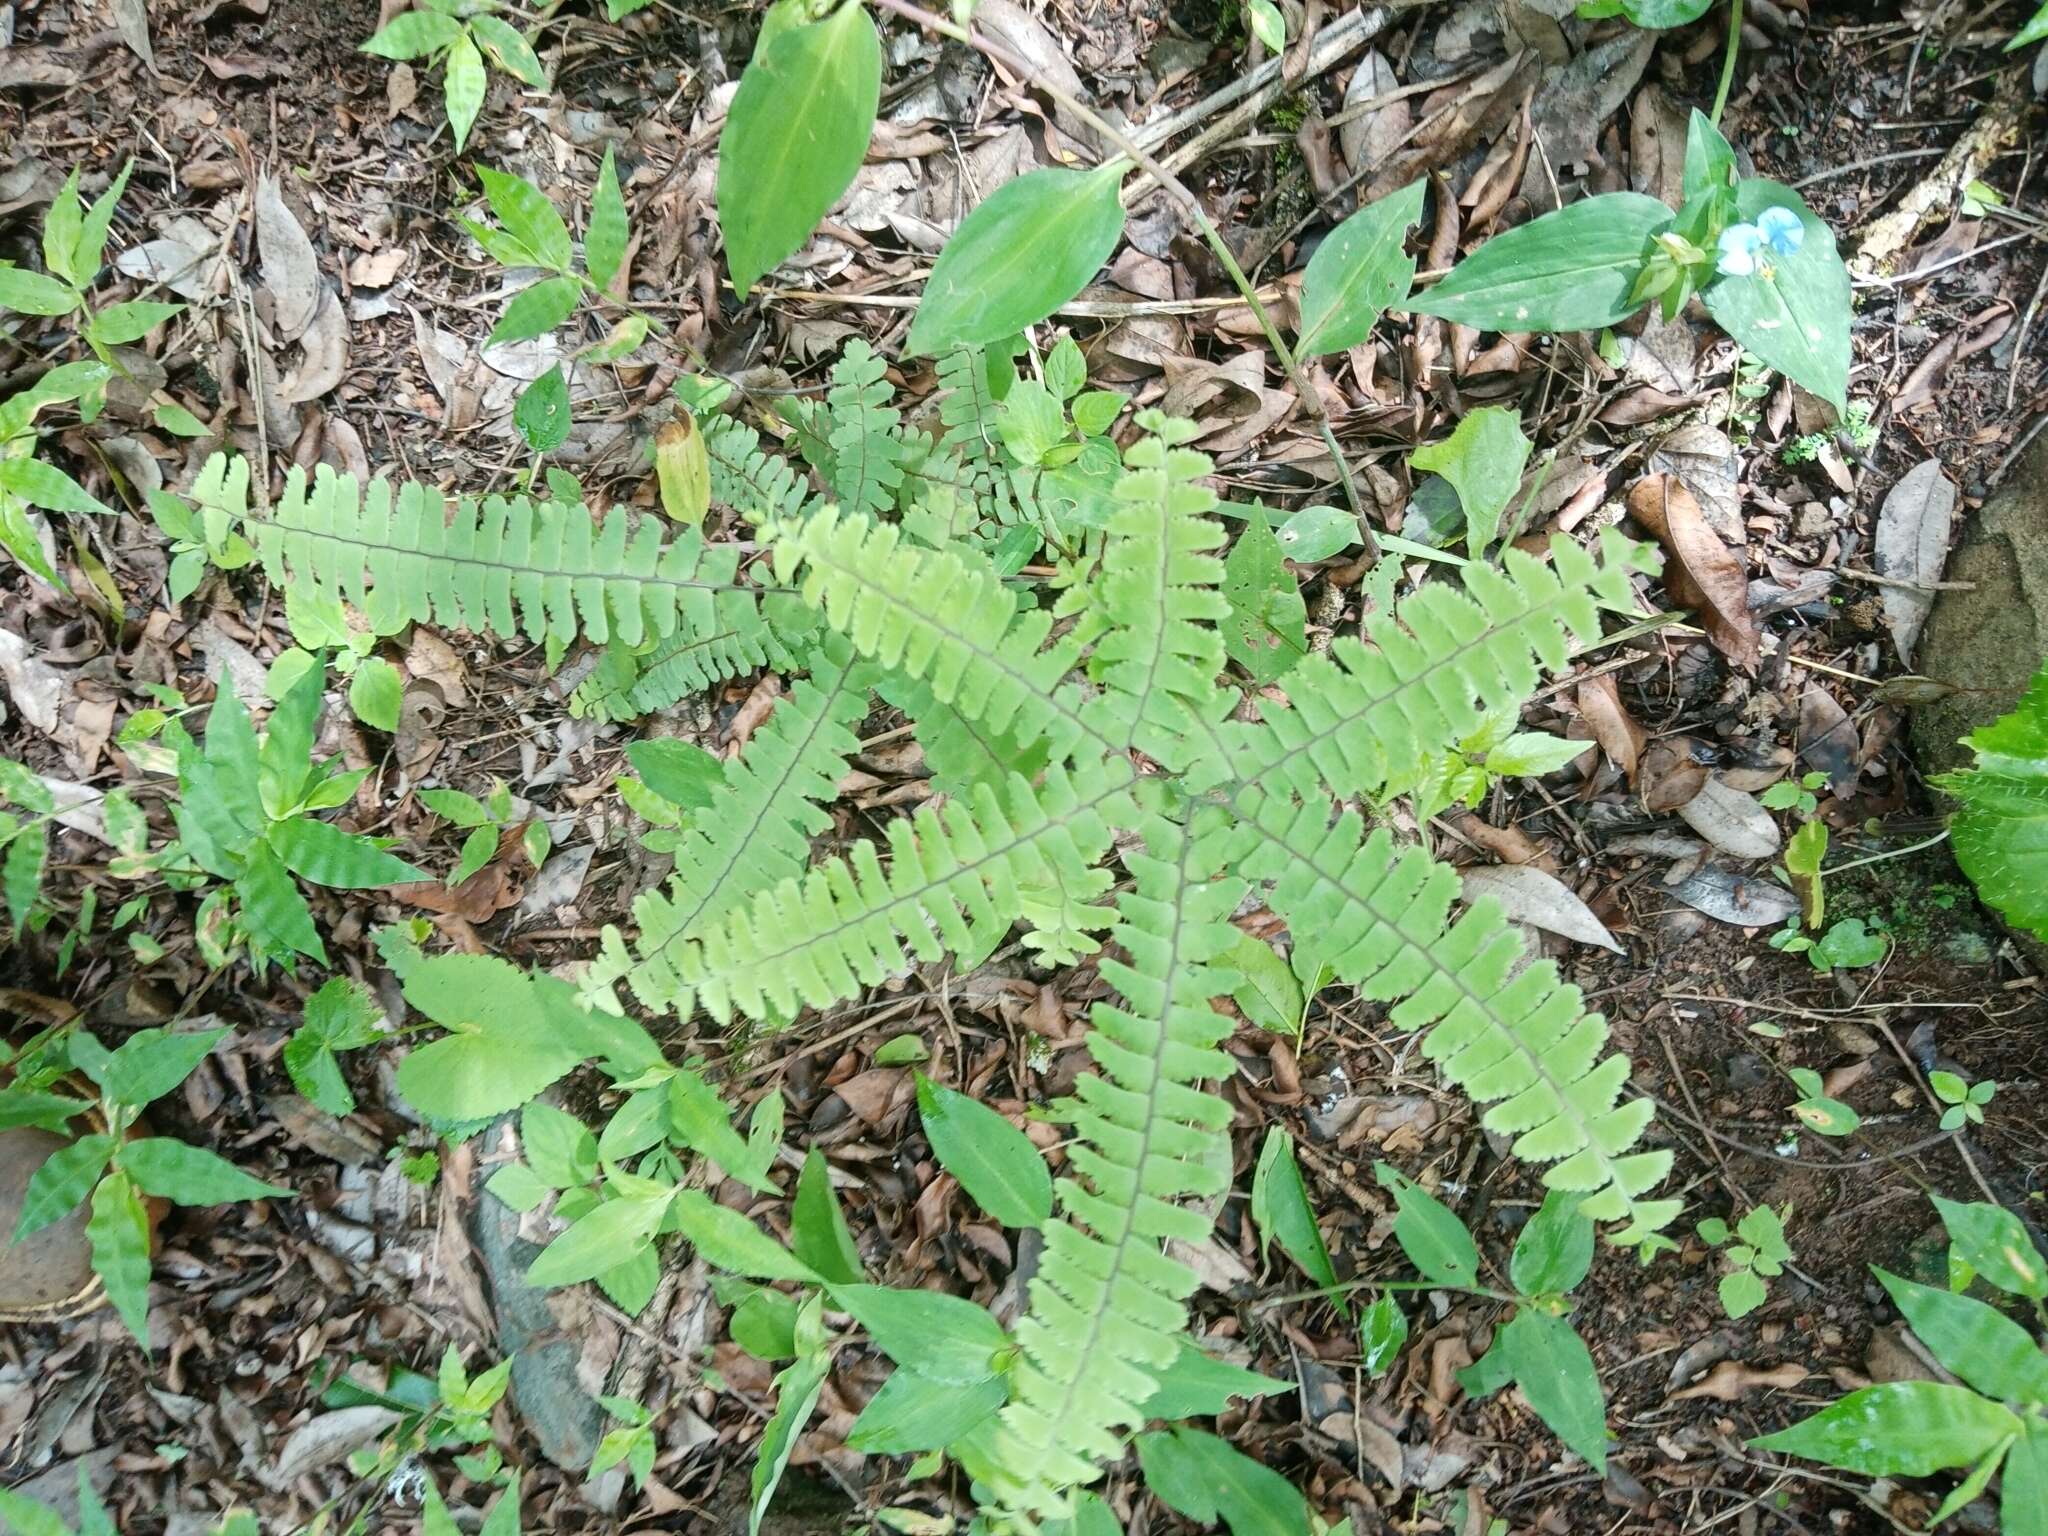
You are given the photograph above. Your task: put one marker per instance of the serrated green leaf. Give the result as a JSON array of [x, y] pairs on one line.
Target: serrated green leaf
[[794, 137], [60, 1182], [1741, 1293], [2000, 834], [177, 1171], [1899, 1428], [996, 1164], [119, 1232], [1019, 255]]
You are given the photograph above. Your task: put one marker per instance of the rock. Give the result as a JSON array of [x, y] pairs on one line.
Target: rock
[[1988, 641], [46, 1271]]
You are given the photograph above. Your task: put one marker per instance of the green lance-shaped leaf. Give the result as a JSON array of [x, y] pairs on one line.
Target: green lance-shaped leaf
[[1899, 1428], [174, 1170], [995, 1162], [119, 1232], [1359, 271], [794, 137], [1018, 257], [1572, 270]]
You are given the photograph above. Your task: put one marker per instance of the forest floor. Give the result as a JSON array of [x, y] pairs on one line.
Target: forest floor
[[257, 1307]]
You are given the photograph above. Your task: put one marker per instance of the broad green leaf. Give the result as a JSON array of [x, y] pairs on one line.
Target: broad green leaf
[[1266, 633], [19, 538], [1429, 1232], [119, 324], [1796, 318], [61, 227], [632, 1282], [1018, 256], [2023, 1497], [1266, 23], [31, 1106], [273, 912], [542, 414], [1555, 1371], [1483, 459], [598, 1241], [1281, 1210], [28, 1517], [1968, 1490], [1206, 1478], [414, 35], [375, 693], [453, 805], [604, 242], [729, 1241], [702, 1121], [321, 852], [682, 469], [1742, 1293], [528, 217], [536, 310], [462, 85], [1359, 271], [21, 871], [1664, 13], [1900, 1428], [1317, 533], [177, 421], [681, 772], [1827, 1117], [63, 1179], [475, 1075], [995, 1162], [764, 1324], [1572, 270], [794, 137], [174, 1170], [341, 1016], [1532, 754], [31, 293], [2036, 30], [2000, 834], [513, 52], [151, 1062], [46, 486], [285, 760], [796, 1394], [942, 1338], [1980, 1344], [1382, 1331], [1092, 1517], [913, 1413], [119, 1232], [558, 1146], [1555, 1248], [818, 1233], [1197, 1384], [519, 1187], [1992, 1241], [1268, 993]]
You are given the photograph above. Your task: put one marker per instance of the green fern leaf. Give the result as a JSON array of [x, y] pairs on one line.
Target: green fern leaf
[[758, 828], [746, 477], [943, 617], [954, 872], [627, 685], [1369, 719], [1521, 1043], [853, 438], [1108, 1304], [958, 752], [505, 565]]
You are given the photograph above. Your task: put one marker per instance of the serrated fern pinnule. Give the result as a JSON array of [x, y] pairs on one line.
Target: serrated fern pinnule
[[954, 874], [629, 683], [1522, 1043], [1108, 1303], [503, 565], [746, 477]]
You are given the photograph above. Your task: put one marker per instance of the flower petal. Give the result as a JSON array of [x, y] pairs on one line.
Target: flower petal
[[1782, 229]]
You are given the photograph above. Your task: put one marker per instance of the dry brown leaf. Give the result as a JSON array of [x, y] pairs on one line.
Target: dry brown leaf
[[1671, 774], [1704, 574], [1612, 725], [290, 270], [1528, 895], [1732, 821], [324, 357], [1731, 1379], [1912, 542]]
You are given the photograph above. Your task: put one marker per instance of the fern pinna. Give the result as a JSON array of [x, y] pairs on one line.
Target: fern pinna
[[1047, 731]]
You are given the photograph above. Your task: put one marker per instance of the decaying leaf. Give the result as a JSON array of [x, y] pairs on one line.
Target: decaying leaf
[[1529, 895], [1732, 821], [1704, 575], [290, 270], [1747, 901], [1612, 725], [1731, 1379], [1912, 542]]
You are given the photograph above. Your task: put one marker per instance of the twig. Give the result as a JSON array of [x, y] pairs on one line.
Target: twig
[[1175, 189]]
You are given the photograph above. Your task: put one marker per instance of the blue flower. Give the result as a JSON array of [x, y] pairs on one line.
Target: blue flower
[[1781, 230], [1737, 250]]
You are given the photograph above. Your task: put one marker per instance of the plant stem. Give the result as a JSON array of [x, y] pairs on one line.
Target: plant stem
[[1895, 853], [1136, 153], [1728, 62]]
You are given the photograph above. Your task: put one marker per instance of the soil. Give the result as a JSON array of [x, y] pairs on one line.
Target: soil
[[253, 1304]]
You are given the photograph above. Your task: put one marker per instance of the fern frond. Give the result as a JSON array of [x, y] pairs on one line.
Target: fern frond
[[759, 485], [1108, 1304], [1367, 719], [853, 439], [943, 617], [982, 861], [758, 828], [505, 565], [1159, 597], [958, 752], [969, 410], [1522, 1044], [627, 684]]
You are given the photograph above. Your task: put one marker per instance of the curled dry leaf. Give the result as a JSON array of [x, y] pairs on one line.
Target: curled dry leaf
[[324, 356], [1912, 542], [1732, 821], [1671, 774], [1829, 742], [1704, 575], [1529, 895], [1611, 723], [290, 270], [1731, 1379]]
